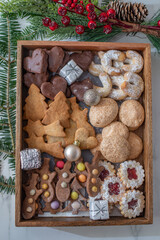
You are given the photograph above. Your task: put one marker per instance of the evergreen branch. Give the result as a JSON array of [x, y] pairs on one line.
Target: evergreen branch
[[2, 58], [7, 185], [8, 153], [8, 107]]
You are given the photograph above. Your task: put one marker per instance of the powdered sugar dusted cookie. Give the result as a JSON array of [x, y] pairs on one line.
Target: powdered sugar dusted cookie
[[132, 204], [112, 189], [131, 174]]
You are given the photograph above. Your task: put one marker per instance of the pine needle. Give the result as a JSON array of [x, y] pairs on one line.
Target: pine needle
[[7, 185]]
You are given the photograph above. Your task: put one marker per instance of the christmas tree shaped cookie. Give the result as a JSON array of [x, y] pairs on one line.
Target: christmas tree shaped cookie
[[35, 106], [58, 110]]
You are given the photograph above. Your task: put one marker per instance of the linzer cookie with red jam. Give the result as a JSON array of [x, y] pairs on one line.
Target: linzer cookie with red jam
[[131, 174]]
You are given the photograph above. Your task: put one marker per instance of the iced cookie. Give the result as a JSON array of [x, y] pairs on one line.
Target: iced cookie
[[103, 113]]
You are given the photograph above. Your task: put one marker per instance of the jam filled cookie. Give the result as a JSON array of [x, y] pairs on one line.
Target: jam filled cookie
[[136, 145], [131, 113], [108, 170], [103, 113], [132, 204], [115, 148], [131, 174], [112, 189]]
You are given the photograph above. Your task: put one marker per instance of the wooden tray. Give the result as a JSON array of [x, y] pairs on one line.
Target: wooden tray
[[145, 132]]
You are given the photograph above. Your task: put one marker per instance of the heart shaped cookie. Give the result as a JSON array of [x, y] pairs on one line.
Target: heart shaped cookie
[[37, 78], [37, 63], [50, 89], [83, 59], [86, 142], [79, 88], [56, 56]]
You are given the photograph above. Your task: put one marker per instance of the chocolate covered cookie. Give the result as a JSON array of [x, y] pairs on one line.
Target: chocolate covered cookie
[[83, 60], [79, 88], [37, 78], [56, 55]]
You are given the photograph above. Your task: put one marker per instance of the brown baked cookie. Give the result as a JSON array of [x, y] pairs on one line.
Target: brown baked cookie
[[103, 113], [79, 88], [115, 128], [131, 113], [56, 55], [93, 180], [35, 107], [80, 116], [65, 61], [86, 141], [115, 148], [37, 78], [50, 89], [83, 59], [97, 148], [38, 63], [136, 145], [58, 110]]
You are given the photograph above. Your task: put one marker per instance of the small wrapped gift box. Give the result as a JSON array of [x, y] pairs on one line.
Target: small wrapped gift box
[[71, 71], [30, 159], [98, 210]]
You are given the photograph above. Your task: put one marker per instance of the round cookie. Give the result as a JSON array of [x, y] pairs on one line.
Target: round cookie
[[115, 128], [136, 145], [131, 113], [97, 148], [103, 113], [115, 148]]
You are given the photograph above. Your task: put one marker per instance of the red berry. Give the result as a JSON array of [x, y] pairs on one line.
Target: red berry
[[64, 1], [73, 5], [90, 7], [79, 29], [104, 174], [79, 9], [92, 24], [114, 188], [158, 23], [65, 20], [111, 13], [81, 2], [132, 173], [55, 1], [60, 164], [46, 21], [69, 1], [103, 17], [91, 15], [132, 204], [107, 29], [75, 1], [62, 11], [53, 25]]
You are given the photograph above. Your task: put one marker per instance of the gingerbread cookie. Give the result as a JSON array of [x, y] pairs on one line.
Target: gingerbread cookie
[[50, 89], [131, 113], [37, 128], [58, 110], [37, 79], [81, 172], [115, 148], [97, 148], [86, 141], [37, 63], [136, 145], [103, 113], [54, 149], [115, 128], [35, 107], [80, 117], [93, 180]]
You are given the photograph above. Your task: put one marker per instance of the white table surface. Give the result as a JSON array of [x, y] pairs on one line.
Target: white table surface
[[8, 231]]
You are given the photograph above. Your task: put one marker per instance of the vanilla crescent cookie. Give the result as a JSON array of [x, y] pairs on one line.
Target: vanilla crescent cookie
[[115, 128], [131, 113], [107, 59], [115, 148], [95, 69], [136, 64], [131, 173], [132, 203], [112, 189], [133, 85], [103, 113], [107, 85], [108, 170], [136, 145], [117, 93]]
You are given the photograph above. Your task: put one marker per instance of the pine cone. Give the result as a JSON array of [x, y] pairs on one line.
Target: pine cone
[[130, 12]]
